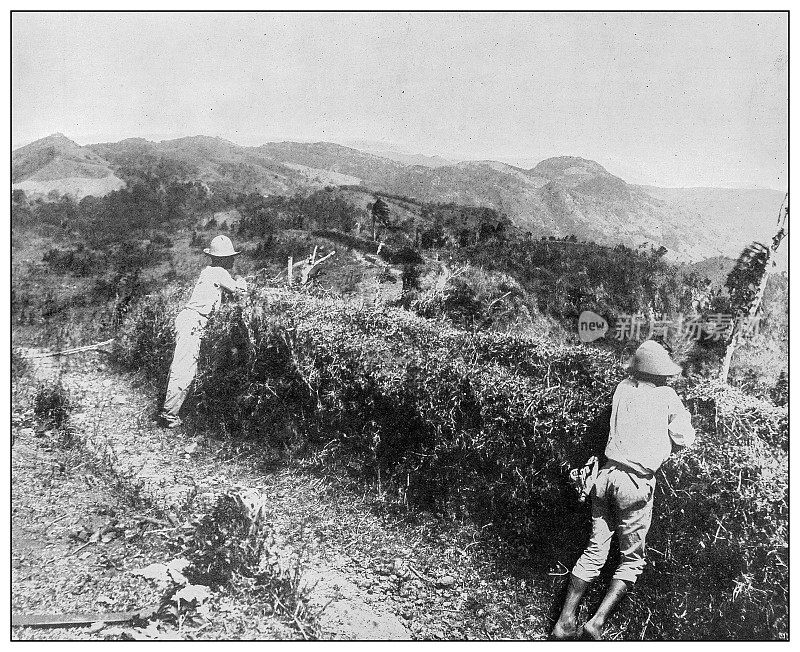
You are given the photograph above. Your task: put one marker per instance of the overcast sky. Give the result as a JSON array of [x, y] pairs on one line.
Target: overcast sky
[[668, 99]]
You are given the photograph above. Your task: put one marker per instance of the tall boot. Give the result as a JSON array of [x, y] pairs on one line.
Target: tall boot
[[567, 625], [594, 626]]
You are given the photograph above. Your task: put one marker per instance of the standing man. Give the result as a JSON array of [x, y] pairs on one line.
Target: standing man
[[648, 423], [191, 322]]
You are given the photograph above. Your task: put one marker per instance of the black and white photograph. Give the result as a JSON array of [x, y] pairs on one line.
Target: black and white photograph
[[399, 326]]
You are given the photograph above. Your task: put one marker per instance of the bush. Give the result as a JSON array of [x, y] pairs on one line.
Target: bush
[[718, 546], [486, 425], [51, 406], [780, 392], [234, 545], [79, 261], [475, 299], [146, 338], [19, 365]]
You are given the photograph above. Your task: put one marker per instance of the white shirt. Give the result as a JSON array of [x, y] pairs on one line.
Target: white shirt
[[645, 422], [207, 293]]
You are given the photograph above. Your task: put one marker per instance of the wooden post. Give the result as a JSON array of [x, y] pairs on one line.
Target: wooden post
[[290, 271]]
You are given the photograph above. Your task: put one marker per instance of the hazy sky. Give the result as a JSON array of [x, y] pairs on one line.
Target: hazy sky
[[670, 99]]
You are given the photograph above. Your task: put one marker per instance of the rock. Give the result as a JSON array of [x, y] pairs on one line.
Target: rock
[[364, 583], [446, 581]]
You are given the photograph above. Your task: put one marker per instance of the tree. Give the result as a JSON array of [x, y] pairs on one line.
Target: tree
[[746, 284], [379, 212]]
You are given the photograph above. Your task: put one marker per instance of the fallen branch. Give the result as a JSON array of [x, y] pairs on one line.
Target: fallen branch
[[77, 550], [416, 572], [52, 523], [311, 265], [154, 521], [70, 620], [79, 349]]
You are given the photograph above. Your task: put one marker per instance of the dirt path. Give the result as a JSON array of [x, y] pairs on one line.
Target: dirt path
[[377, 576]]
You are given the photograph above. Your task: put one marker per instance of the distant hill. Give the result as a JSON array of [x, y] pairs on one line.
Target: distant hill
[[715, 269], [398, 153], [57, 163], [560, 196], [745, 214]]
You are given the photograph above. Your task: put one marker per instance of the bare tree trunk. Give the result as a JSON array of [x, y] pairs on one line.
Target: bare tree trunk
[[726, 363]]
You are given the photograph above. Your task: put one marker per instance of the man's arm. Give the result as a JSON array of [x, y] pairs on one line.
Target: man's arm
[[681, 431], [227, 283]]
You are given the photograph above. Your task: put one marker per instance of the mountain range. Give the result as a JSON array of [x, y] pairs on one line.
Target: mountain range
[[561, 196]]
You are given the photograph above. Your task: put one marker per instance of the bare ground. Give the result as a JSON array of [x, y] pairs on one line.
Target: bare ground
[[375, 572]]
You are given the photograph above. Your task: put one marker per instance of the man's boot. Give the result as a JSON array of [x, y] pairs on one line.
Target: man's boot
[[567, 625], [594, 626]]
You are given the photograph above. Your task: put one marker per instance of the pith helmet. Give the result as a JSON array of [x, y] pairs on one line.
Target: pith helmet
[[221, 246], [652, 358]]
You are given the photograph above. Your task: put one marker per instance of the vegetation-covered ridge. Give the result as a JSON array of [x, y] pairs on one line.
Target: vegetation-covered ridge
[[485, 425]]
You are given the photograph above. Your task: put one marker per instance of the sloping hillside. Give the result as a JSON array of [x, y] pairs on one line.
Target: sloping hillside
[[57, 163], [560, 196], [744, 214]]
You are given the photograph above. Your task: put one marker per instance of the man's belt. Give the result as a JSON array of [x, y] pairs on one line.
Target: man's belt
[[628, 469]]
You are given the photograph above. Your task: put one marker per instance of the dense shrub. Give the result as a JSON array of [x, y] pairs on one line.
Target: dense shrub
[[78, 261], [146, 338], [473, 298], [52, 406], [718, 547], [486, 425], [568, 277], [780, 392], [354, 242], [19, 365]]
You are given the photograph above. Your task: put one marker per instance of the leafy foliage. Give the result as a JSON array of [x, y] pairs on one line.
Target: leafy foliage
[[719, 540], [263, 215], [234, 545], [485, 425], [567, 278], [52, 406], [474, 299]]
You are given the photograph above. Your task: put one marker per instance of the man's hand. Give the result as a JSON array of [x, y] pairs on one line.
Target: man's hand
[[241, 285]]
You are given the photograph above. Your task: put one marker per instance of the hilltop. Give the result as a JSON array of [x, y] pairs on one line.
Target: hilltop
[[561, 196], [58, 163]]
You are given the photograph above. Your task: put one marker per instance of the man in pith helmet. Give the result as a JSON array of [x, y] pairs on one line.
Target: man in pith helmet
[[648, 423], [215, 279]]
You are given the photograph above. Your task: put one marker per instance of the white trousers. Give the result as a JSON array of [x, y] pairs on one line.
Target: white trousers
[[622, 503], [189, 327]]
